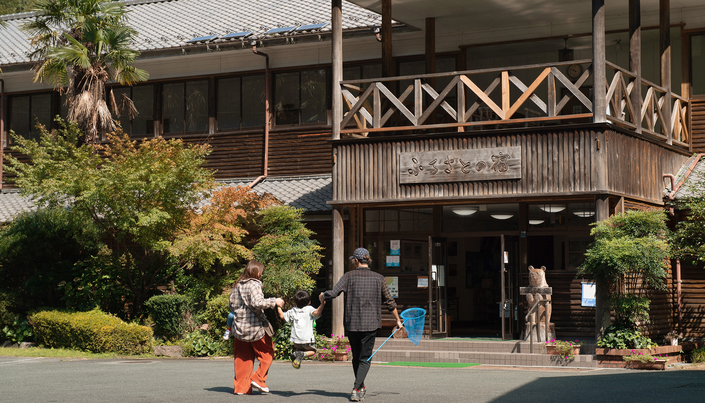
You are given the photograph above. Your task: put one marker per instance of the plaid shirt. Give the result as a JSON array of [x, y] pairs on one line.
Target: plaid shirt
[[364, 291], [247, 326]]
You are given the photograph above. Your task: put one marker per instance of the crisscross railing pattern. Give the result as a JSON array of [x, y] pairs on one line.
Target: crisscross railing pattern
[[651, 117], [477, 98], [371, 103]]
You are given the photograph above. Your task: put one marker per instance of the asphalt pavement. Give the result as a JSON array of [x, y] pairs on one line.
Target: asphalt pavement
[[25, 379]]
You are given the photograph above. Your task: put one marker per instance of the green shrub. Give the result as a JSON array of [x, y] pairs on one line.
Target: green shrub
[[91, 331], [216, 314], [697, 355], [282, 343], [623, 338], [167, 311], [17, 331], [201, 344]]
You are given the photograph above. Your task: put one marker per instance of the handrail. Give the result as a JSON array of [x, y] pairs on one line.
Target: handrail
[[532, 324]]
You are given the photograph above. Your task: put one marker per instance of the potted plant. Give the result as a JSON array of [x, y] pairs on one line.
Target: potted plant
[[340, 346], [567, 349], [639, 360], [672, 337]]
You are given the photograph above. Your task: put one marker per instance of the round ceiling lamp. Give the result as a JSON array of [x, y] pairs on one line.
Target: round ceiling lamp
[[552, 208], [465, 210]]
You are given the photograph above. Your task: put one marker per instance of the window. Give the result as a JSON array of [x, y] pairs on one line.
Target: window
[[300, 97], [27, 110], [697, 59], [240, 102], [142, 125], [185, 107], [363, 72]]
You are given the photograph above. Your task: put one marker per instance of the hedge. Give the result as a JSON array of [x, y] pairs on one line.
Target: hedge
[[167, 311], [93, 331]]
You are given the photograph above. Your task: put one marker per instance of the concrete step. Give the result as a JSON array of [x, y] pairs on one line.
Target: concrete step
[[513, 352]]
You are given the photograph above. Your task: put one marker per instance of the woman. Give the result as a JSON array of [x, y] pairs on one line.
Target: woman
[[250, 330]]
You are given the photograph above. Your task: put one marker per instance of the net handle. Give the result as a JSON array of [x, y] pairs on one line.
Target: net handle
[[390, 336]]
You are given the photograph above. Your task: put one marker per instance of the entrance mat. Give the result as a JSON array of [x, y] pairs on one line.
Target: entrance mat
[[431, 364]]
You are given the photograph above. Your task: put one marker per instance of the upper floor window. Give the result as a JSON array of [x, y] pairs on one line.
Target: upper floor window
[[697, 60], [142, 125], [240, 102], [185, 107], [27, 110], [300, 97]]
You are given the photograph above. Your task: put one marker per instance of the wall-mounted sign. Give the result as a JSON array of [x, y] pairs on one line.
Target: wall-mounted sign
[[588, 297], [395, 247], [393, 261], [460, 165], [422, 282], [393, 286]]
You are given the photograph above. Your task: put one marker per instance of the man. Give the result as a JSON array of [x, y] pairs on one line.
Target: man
[[365, 291]]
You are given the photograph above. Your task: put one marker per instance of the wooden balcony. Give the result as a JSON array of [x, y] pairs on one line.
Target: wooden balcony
[[520, 96]]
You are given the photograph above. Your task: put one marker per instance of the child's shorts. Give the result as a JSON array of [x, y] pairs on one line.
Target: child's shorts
[[305, 347]]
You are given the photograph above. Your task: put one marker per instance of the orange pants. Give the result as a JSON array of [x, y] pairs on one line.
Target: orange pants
[[245, 353]]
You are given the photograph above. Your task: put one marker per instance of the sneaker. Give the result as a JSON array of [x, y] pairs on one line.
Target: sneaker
[[226, 336], [355, 396], [258, 388], [298, 356], [362, 393]]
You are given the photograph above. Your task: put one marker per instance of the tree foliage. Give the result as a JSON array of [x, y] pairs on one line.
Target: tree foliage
[[287, 251], [138, 195], [80, 45], [629, 259], [688, 239]]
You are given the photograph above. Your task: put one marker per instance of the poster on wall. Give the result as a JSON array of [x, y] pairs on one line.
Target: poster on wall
[[393, 285], [422, 282], [393, 261], [588, 297], [395, 247]]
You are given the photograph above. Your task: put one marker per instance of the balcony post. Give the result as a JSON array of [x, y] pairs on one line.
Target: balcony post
[[635, 59], [665, 47], [599, 103], [337, 117]]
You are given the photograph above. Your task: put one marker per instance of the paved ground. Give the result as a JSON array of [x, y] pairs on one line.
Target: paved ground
[[199, 380]]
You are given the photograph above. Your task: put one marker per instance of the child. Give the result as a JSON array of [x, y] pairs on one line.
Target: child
[[302, 317], [228, 326]]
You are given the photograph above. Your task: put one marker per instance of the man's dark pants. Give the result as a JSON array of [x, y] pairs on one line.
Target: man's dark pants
[[361, 344]]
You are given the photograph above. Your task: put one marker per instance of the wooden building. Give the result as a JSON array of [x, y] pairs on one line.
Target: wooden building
[[472, 138]]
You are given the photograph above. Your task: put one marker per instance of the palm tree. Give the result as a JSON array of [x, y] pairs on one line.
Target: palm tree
[[78, 46]]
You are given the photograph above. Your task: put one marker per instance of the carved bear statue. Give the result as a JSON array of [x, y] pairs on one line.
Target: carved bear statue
[[537, 278]]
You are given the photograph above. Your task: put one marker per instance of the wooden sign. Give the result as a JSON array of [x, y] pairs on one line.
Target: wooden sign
[[460, 165]]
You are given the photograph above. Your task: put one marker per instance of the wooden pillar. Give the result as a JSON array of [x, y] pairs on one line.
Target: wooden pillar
[[635, 58], [336, 67], [338, 305], [602, 306], [665, 47], [430, 45], [599, 104], [388, 69]]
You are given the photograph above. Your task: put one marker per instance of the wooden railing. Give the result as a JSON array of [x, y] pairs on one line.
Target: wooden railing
[[471, 100], [651, 117]]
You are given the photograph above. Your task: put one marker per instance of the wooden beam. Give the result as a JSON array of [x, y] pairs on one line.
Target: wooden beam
[[337, 66], [338, 268], [388, 69], [665, 48], [602, 307], [430, 45], [635, 57], [599, 103]]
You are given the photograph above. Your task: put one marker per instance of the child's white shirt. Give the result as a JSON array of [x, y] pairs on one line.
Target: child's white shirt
[[301, 324]]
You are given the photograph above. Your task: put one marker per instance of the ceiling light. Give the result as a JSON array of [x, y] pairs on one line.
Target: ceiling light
[[501, 216], [552, 208], [465, 210], [536, 222], [584, 214]]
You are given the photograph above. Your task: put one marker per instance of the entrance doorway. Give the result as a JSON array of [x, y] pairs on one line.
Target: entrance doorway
[[474, 280]]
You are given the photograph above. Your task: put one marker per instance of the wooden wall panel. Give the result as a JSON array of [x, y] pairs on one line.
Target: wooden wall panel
[[555, 163], [636, 166], [291, 153], [693, 301], [697, 122]]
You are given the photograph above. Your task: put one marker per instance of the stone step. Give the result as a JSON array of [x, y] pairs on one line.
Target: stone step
[[487, 358], [489, 352]]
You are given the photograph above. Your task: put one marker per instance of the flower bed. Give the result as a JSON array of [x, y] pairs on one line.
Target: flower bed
[[614, 358]]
